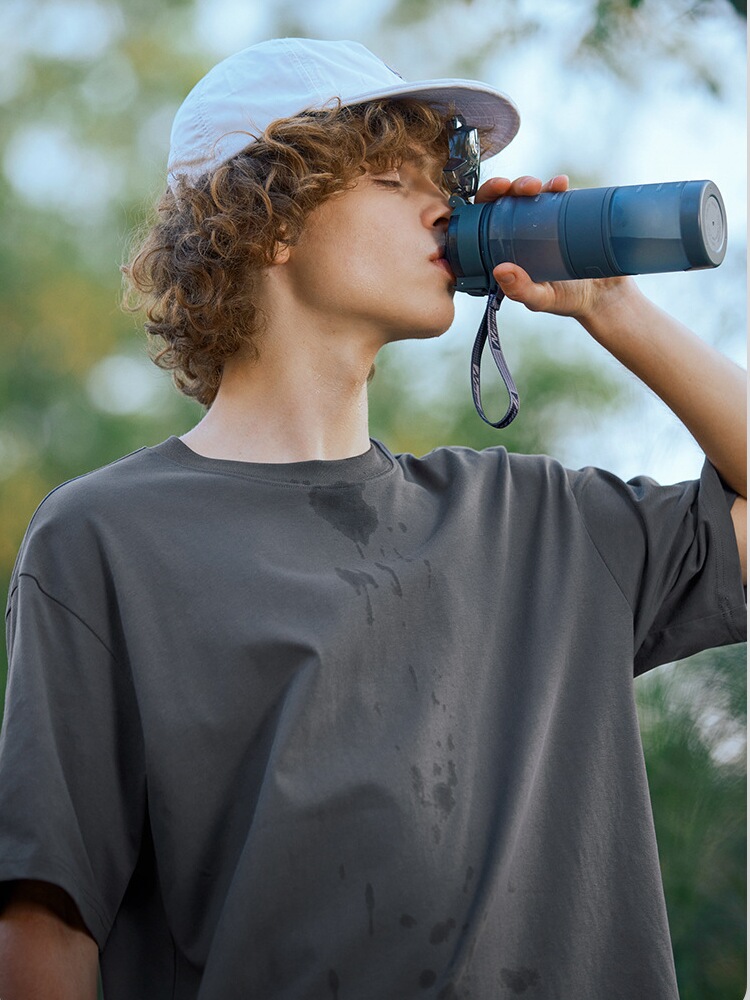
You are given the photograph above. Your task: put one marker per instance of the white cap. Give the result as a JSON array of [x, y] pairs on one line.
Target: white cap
[[282, 77]]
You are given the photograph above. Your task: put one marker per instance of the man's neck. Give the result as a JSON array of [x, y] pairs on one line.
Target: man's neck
[[294, 411]]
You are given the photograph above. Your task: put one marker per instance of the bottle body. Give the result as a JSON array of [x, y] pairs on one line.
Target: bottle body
[[588, 233]]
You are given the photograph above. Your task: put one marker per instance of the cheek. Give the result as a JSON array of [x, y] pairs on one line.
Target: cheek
[[360, 254], [365, 245]]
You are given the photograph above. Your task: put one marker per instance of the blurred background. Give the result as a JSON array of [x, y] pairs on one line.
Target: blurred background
[[609, 91]]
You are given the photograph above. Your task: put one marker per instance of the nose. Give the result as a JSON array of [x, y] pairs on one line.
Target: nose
[[440, 211]]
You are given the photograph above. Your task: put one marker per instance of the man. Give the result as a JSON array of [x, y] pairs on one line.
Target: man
[[290, 716]]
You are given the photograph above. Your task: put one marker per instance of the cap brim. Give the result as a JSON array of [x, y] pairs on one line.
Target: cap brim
[[479, 104]]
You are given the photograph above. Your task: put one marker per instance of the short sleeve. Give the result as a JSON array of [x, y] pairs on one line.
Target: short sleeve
[[72, 787], [673, 553]]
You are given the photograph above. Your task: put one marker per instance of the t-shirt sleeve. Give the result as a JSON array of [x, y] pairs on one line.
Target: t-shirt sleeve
[[673, 553], [72, 787]]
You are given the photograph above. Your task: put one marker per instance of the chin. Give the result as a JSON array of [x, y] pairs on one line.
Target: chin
[[441, 320], [415, 334]]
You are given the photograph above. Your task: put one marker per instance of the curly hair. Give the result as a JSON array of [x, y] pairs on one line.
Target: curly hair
[[195, 272]]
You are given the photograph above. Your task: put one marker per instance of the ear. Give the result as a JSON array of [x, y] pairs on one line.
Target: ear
[[282, 250], [282, 253]]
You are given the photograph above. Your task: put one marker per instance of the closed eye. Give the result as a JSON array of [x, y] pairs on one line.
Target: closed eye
[[390, 183]]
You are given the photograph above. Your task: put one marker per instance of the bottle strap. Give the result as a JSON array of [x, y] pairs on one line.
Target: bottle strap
[[488, 331]]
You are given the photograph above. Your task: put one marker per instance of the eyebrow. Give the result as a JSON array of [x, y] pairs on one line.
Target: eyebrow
[[430, 165]]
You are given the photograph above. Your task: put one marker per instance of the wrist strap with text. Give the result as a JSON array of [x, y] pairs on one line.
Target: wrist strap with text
[[488, 331]]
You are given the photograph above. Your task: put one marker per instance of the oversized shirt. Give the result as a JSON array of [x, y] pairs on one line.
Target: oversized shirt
[[355, 730]]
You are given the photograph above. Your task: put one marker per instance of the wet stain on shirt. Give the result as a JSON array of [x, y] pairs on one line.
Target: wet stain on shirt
[[441, 931], [442, 793], [333, 982], [346, 510], [441, 797], [396, 585], [426, 978], [360, 581], [370, 903], [417, 783], [519, 980], [469, 877], [402, 557], [407, 920]]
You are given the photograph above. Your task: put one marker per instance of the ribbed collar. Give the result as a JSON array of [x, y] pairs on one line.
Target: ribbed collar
[[377, 461]]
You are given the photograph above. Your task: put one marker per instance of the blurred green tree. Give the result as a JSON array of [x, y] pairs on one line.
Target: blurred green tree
[[693, 724]]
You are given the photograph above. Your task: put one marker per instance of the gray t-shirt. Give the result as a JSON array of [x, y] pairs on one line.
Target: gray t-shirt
[[355, 730]]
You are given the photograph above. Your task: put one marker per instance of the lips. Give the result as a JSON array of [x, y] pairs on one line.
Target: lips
[[438, 258], [445, 266]]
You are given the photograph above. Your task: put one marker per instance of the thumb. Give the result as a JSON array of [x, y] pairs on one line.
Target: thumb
[[515, 284]]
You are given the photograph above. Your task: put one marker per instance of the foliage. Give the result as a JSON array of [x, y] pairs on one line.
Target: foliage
[[693, 720], [613, 34]]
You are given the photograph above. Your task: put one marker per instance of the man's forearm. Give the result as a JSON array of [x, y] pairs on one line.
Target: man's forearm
[[700, 385], [43, 954]]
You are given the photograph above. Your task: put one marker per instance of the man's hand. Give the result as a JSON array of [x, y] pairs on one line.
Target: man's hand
[[564, 298]]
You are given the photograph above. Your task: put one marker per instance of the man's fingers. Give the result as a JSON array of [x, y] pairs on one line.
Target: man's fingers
[[517, 285], [526, 185], [559, 183], [492, 189], [498, 187]]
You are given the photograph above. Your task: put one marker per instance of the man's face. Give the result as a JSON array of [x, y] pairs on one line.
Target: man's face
[[363, 263]]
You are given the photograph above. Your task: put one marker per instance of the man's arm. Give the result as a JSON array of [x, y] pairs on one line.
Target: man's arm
[[46, 953], [700, 385]]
